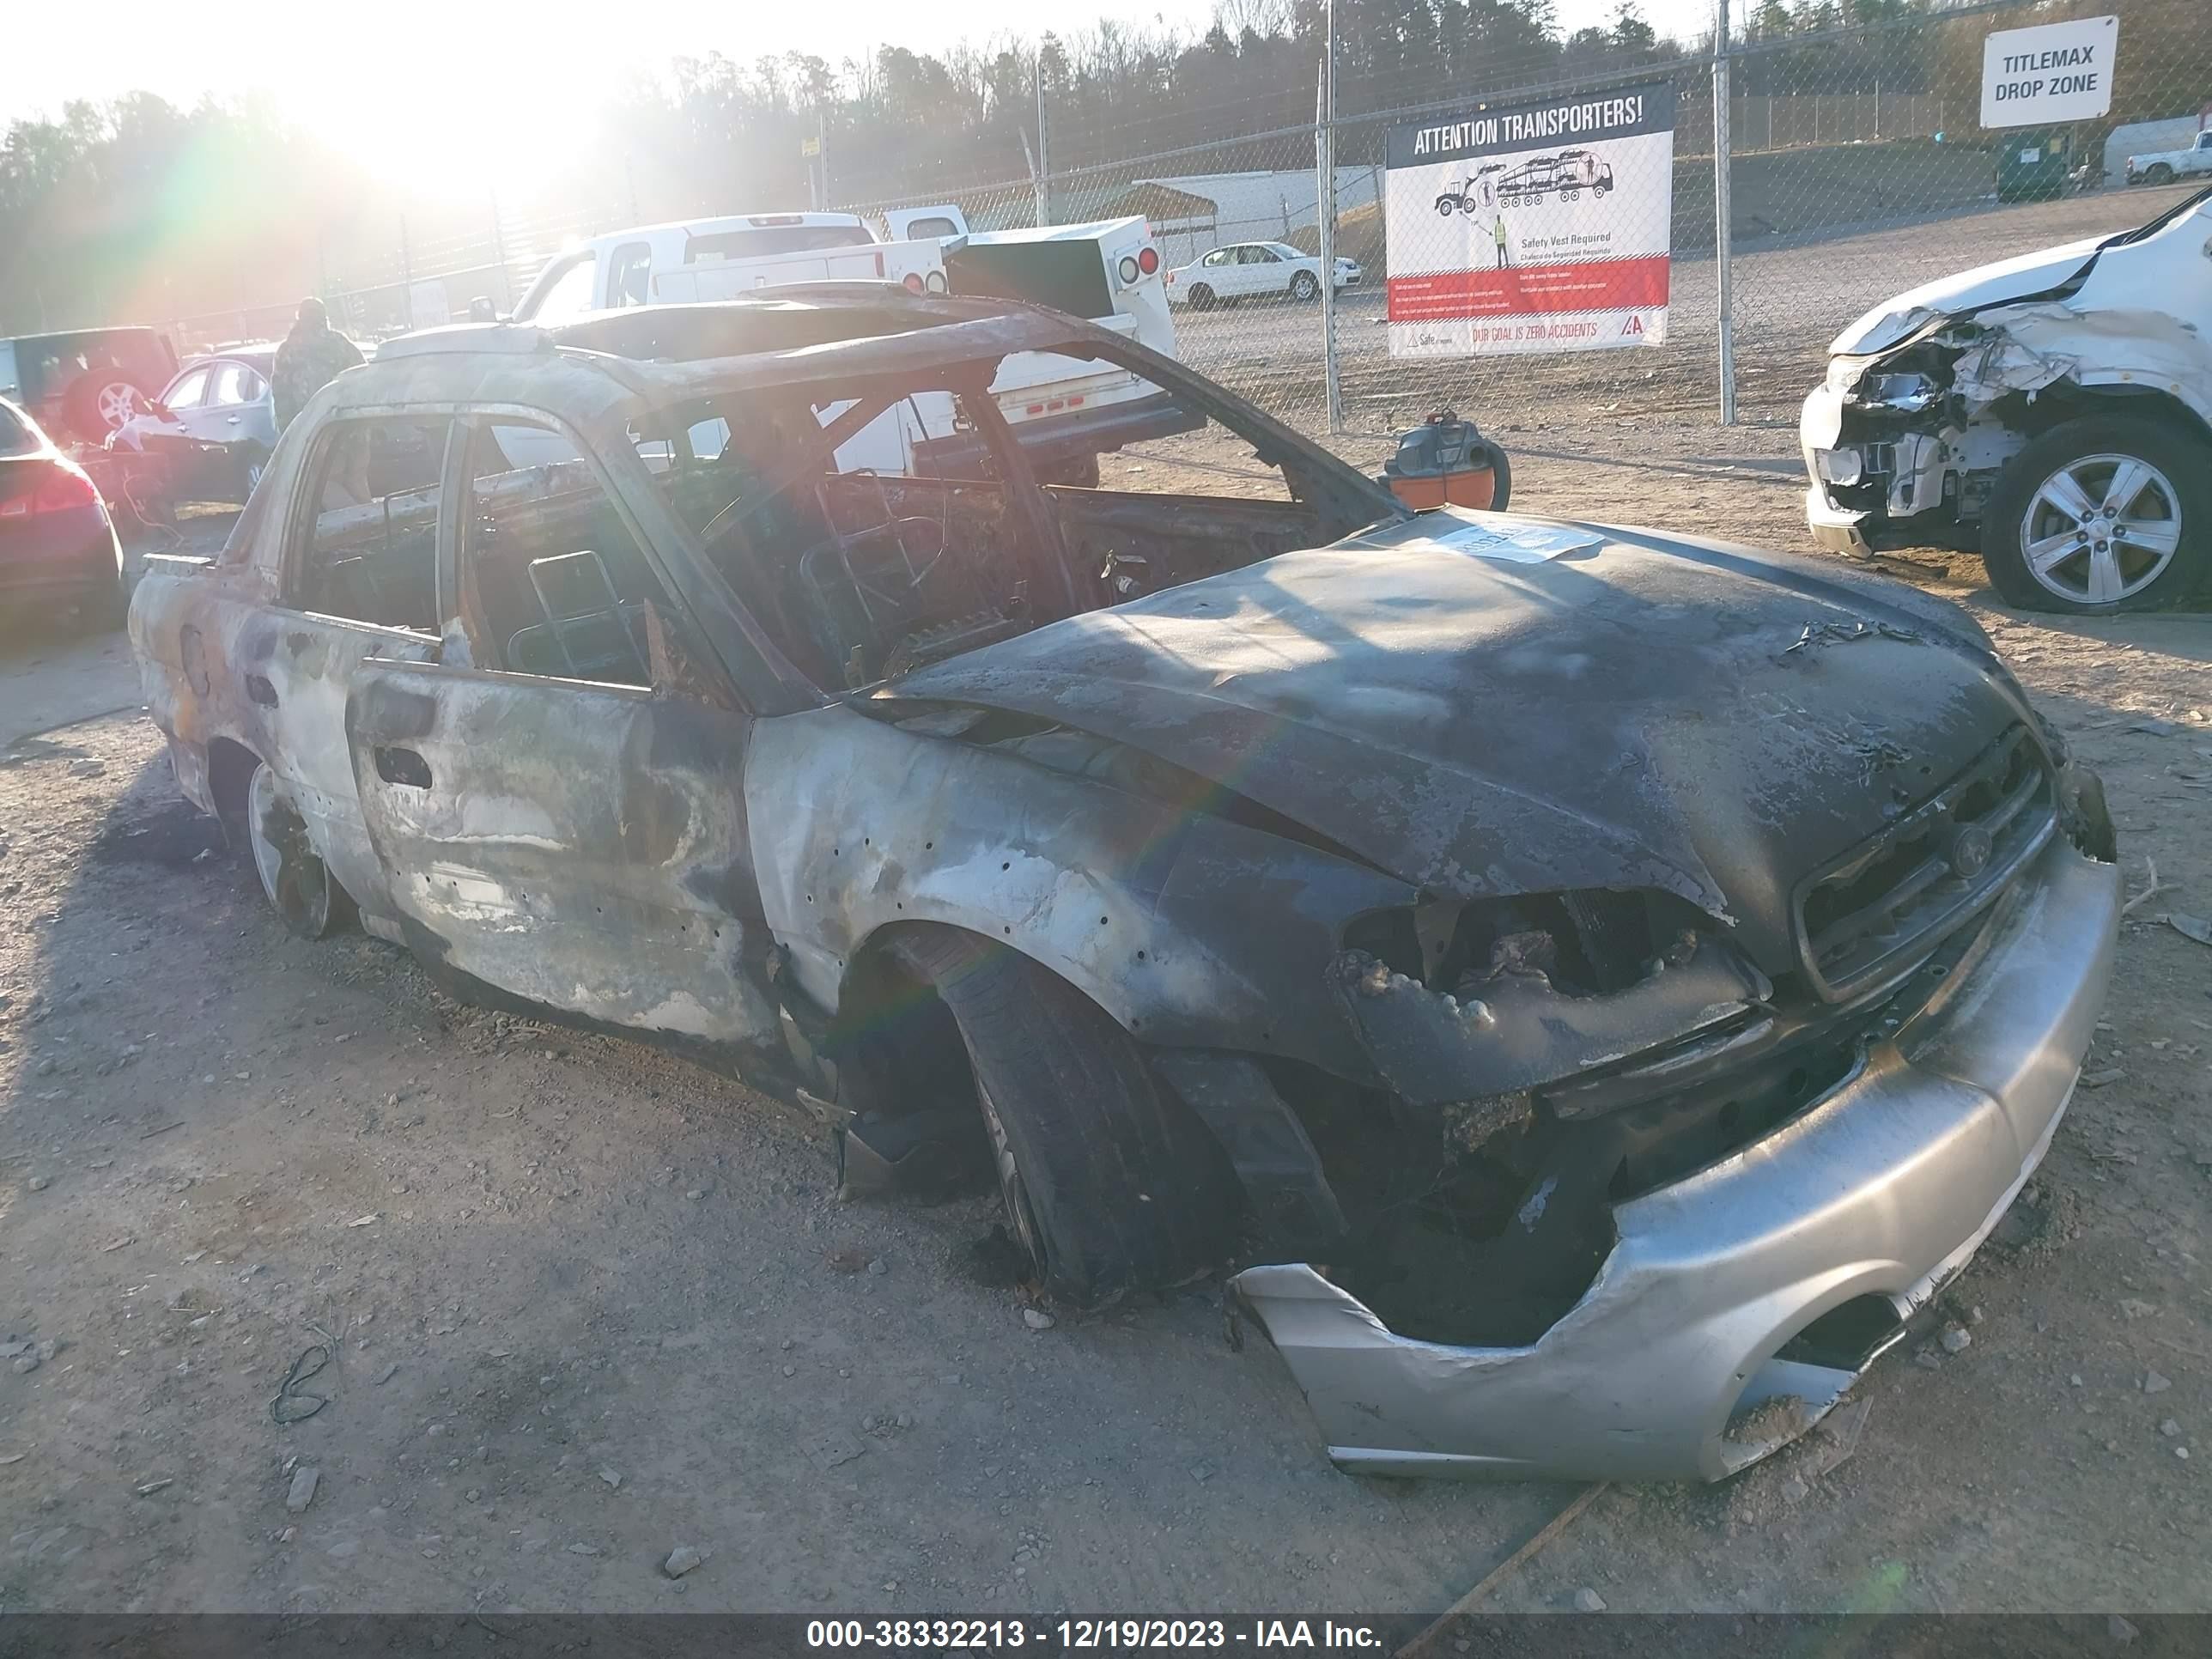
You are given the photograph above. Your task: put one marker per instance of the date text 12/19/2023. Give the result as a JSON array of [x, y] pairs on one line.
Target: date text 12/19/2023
[[1066, 1634]]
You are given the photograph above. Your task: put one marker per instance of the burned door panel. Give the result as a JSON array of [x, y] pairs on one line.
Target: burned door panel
[[297, 671], [221, 665], [579, 847], [355, 581]]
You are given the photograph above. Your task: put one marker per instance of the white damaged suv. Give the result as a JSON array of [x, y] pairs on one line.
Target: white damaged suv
[[2053, 410]]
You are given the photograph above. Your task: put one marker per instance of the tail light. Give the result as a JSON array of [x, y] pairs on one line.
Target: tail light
[[66, 489], [1143, 263], [913, 281]]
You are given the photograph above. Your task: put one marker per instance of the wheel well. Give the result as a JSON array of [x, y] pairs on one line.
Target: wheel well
[[897, 1047], [2068, 401], [230, 770]]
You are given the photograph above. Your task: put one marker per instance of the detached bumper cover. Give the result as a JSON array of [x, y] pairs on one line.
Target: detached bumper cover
[[1836, 529], [1885, 1187]]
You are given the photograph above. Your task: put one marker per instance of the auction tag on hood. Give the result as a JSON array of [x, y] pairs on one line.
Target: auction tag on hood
[[1523, 543]]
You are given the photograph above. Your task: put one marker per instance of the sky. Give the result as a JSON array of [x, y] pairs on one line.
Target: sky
[[345, 68]]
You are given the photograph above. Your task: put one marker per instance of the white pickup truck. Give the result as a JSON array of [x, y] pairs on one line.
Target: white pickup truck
[[2163, 167], [1107, 272]]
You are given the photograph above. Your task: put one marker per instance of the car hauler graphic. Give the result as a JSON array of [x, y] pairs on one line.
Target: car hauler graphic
[[1567, 175], [1536, 227]]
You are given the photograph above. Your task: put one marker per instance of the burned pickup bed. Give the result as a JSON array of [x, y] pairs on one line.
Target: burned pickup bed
[[1588, 986]]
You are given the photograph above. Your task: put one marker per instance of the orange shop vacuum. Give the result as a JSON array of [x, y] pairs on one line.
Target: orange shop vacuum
[[1446, 460]]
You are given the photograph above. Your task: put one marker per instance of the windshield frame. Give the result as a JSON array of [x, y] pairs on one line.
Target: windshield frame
[[970, 343], [1326, 483]]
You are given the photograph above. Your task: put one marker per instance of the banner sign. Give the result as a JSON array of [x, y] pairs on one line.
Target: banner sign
[[2048, 74], [1541, 226]]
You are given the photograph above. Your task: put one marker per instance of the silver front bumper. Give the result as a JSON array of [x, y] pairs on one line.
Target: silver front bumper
[[1885, 1187], [1836, 529]]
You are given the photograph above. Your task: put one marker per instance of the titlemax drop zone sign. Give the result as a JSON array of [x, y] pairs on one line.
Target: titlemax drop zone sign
[[1532, 226], [2054, 73]]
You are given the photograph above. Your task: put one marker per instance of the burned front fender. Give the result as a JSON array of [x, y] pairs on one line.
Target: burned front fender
[[1189, 929]]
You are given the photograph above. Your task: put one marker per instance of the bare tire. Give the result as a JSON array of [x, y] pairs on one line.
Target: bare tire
[[2104, 513], [1202, 298], [1305, 286], [1501, 478], [1110, 1185], [292, 874]]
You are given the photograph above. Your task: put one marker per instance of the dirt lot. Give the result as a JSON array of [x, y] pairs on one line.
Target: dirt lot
[[585, 1303]]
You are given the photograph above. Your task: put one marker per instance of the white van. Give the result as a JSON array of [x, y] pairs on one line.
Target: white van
[[690, 260]]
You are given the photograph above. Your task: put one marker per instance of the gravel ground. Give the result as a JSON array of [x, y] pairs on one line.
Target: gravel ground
[[584, 1303]]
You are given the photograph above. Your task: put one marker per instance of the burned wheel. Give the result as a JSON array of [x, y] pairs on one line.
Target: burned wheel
[[292, 874], [2104, 513], [1110, 1184]]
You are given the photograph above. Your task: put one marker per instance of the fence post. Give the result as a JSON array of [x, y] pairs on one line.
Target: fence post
[[1044, 153], [499, 255], [1722, 275], [1325, 210]]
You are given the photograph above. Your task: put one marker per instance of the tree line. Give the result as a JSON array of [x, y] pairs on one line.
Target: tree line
[[137, 209]]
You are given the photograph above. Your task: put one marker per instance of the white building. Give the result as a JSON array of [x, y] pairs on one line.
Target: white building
[[1190, 213]]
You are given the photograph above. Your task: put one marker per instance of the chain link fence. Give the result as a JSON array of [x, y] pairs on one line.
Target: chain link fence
[[1852, 160]]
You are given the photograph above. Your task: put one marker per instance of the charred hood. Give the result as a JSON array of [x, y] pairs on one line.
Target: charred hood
[[1640, 712]]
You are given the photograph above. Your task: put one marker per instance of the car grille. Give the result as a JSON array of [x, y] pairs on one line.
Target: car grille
[[1884, 906]]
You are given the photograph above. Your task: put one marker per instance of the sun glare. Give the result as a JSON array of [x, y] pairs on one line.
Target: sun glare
[[462, 124]]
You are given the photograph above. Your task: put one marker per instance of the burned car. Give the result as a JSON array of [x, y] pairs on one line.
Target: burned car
[[1595, 985], [2053, 412]]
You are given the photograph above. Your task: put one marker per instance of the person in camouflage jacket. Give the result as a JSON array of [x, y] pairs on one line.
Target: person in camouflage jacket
[[312, 355]]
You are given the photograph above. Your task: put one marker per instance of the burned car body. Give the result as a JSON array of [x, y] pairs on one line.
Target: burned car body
[[2053, 412], [1604, 951]]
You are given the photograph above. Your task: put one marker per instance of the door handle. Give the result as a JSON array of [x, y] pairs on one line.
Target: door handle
[[257, 690], [402, 766], [235, 419]]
